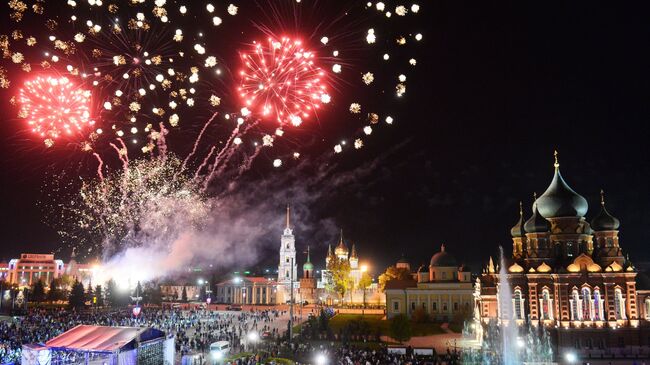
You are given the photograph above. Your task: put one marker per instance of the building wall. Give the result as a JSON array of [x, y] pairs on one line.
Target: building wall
[[442, 301]]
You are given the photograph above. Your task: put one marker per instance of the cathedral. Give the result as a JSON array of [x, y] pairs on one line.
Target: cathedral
[[569, 275], [342, 253]]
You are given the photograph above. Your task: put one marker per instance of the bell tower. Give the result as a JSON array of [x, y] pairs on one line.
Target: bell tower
[[287, 268]]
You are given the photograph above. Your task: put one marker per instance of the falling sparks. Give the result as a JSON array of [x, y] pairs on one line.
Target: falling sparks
[[355, 108]]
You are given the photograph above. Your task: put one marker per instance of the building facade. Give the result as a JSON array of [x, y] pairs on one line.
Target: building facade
[[247, 290], [30, 268], [567, 274], [443, 292]]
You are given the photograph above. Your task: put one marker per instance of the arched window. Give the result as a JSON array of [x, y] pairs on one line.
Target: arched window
[[518, 305], [619, 304], [545, 304], [587, 313], [647, 308], [598, 306], [576, 314]]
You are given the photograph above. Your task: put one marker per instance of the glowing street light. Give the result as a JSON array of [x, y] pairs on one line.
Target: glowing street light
[[200, 282], [364, 268], [321, 359], [571, 357]]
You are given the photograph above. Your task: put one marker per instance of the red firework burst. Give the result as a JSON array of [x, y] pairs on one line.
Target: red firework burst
[[281, 80], [55, 107]]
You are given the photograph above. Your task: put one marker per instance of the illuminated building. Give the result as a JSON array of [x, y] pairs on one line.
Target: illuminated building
[[247, 290], [568, 275], [30, 267], [288, 266], [444, 291]]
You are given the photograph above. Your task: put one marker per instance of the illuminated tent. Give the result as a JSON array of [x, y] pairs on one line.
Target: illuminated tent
[[87, 344]]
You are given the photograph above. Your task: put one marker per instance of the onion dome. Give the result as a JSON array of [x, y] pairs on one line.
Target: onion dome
[[536, 223], [443, 258], [403, 260], [604, 221], [341, 249], [559, 200], [353, 254], [518, 229], [308, 266]]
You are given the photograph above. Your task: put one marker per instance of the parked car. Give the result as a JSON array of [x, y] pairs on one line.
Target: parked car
[[234, 307]]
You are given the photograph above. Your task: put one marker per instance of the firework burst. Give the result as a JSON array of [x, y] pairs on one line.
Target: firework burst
[[281, 80], [55, 107]]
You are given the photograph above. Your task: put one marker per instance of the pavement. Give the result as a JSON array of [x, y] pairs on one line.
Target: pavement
[[441, 342]]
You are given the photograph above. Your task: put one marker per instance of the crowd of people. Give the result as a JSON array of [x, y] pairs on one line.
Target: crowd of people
[[195, 330]]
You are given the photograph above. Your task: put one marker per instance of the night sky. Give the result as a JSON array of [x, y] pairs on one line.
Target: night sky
[[499, 87]]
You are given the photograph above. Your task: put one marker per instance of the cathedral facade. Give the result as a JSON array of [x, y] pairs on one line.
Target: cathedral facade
[[569, 275]]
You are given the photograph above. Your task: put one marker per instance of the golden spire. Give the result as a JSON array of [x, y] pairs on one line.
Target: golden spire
[[602, 197], [521, 208], [557, 163]]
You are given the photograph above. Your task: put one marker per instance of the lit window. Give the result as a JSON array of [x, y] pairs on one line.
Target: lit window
[[598, 306], [518, 305], [546, 304], [587, 313], [619, 304], [576, 314]]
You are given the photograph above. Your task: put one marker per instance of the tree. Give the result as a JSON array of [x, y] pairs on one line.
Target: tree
[[400, 328], [393, 273], [364, 282], [77, 296], [38, 292], [111, 297], [56, 291], [89, 292], [138, 292], [99, 296], [184, 295], [152, 294], [339, 280]]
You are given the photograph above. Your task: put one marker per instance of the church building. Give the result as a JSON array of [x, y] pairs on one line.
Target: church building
[[569, 275]]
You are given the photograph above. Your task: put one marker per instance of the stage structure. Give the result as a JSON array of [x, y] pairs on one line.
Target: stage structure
[[90, 345]]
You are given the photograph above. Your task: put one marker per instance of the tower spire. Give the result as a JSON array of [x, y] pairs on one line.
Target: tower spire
[[341, 240], [521, 209], [288, 216], [602, 197], [557, 163], [308, 260]]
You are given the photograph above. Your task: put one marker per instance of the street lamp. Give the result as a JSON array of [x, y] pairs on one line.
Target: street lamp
[[253, 337]]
